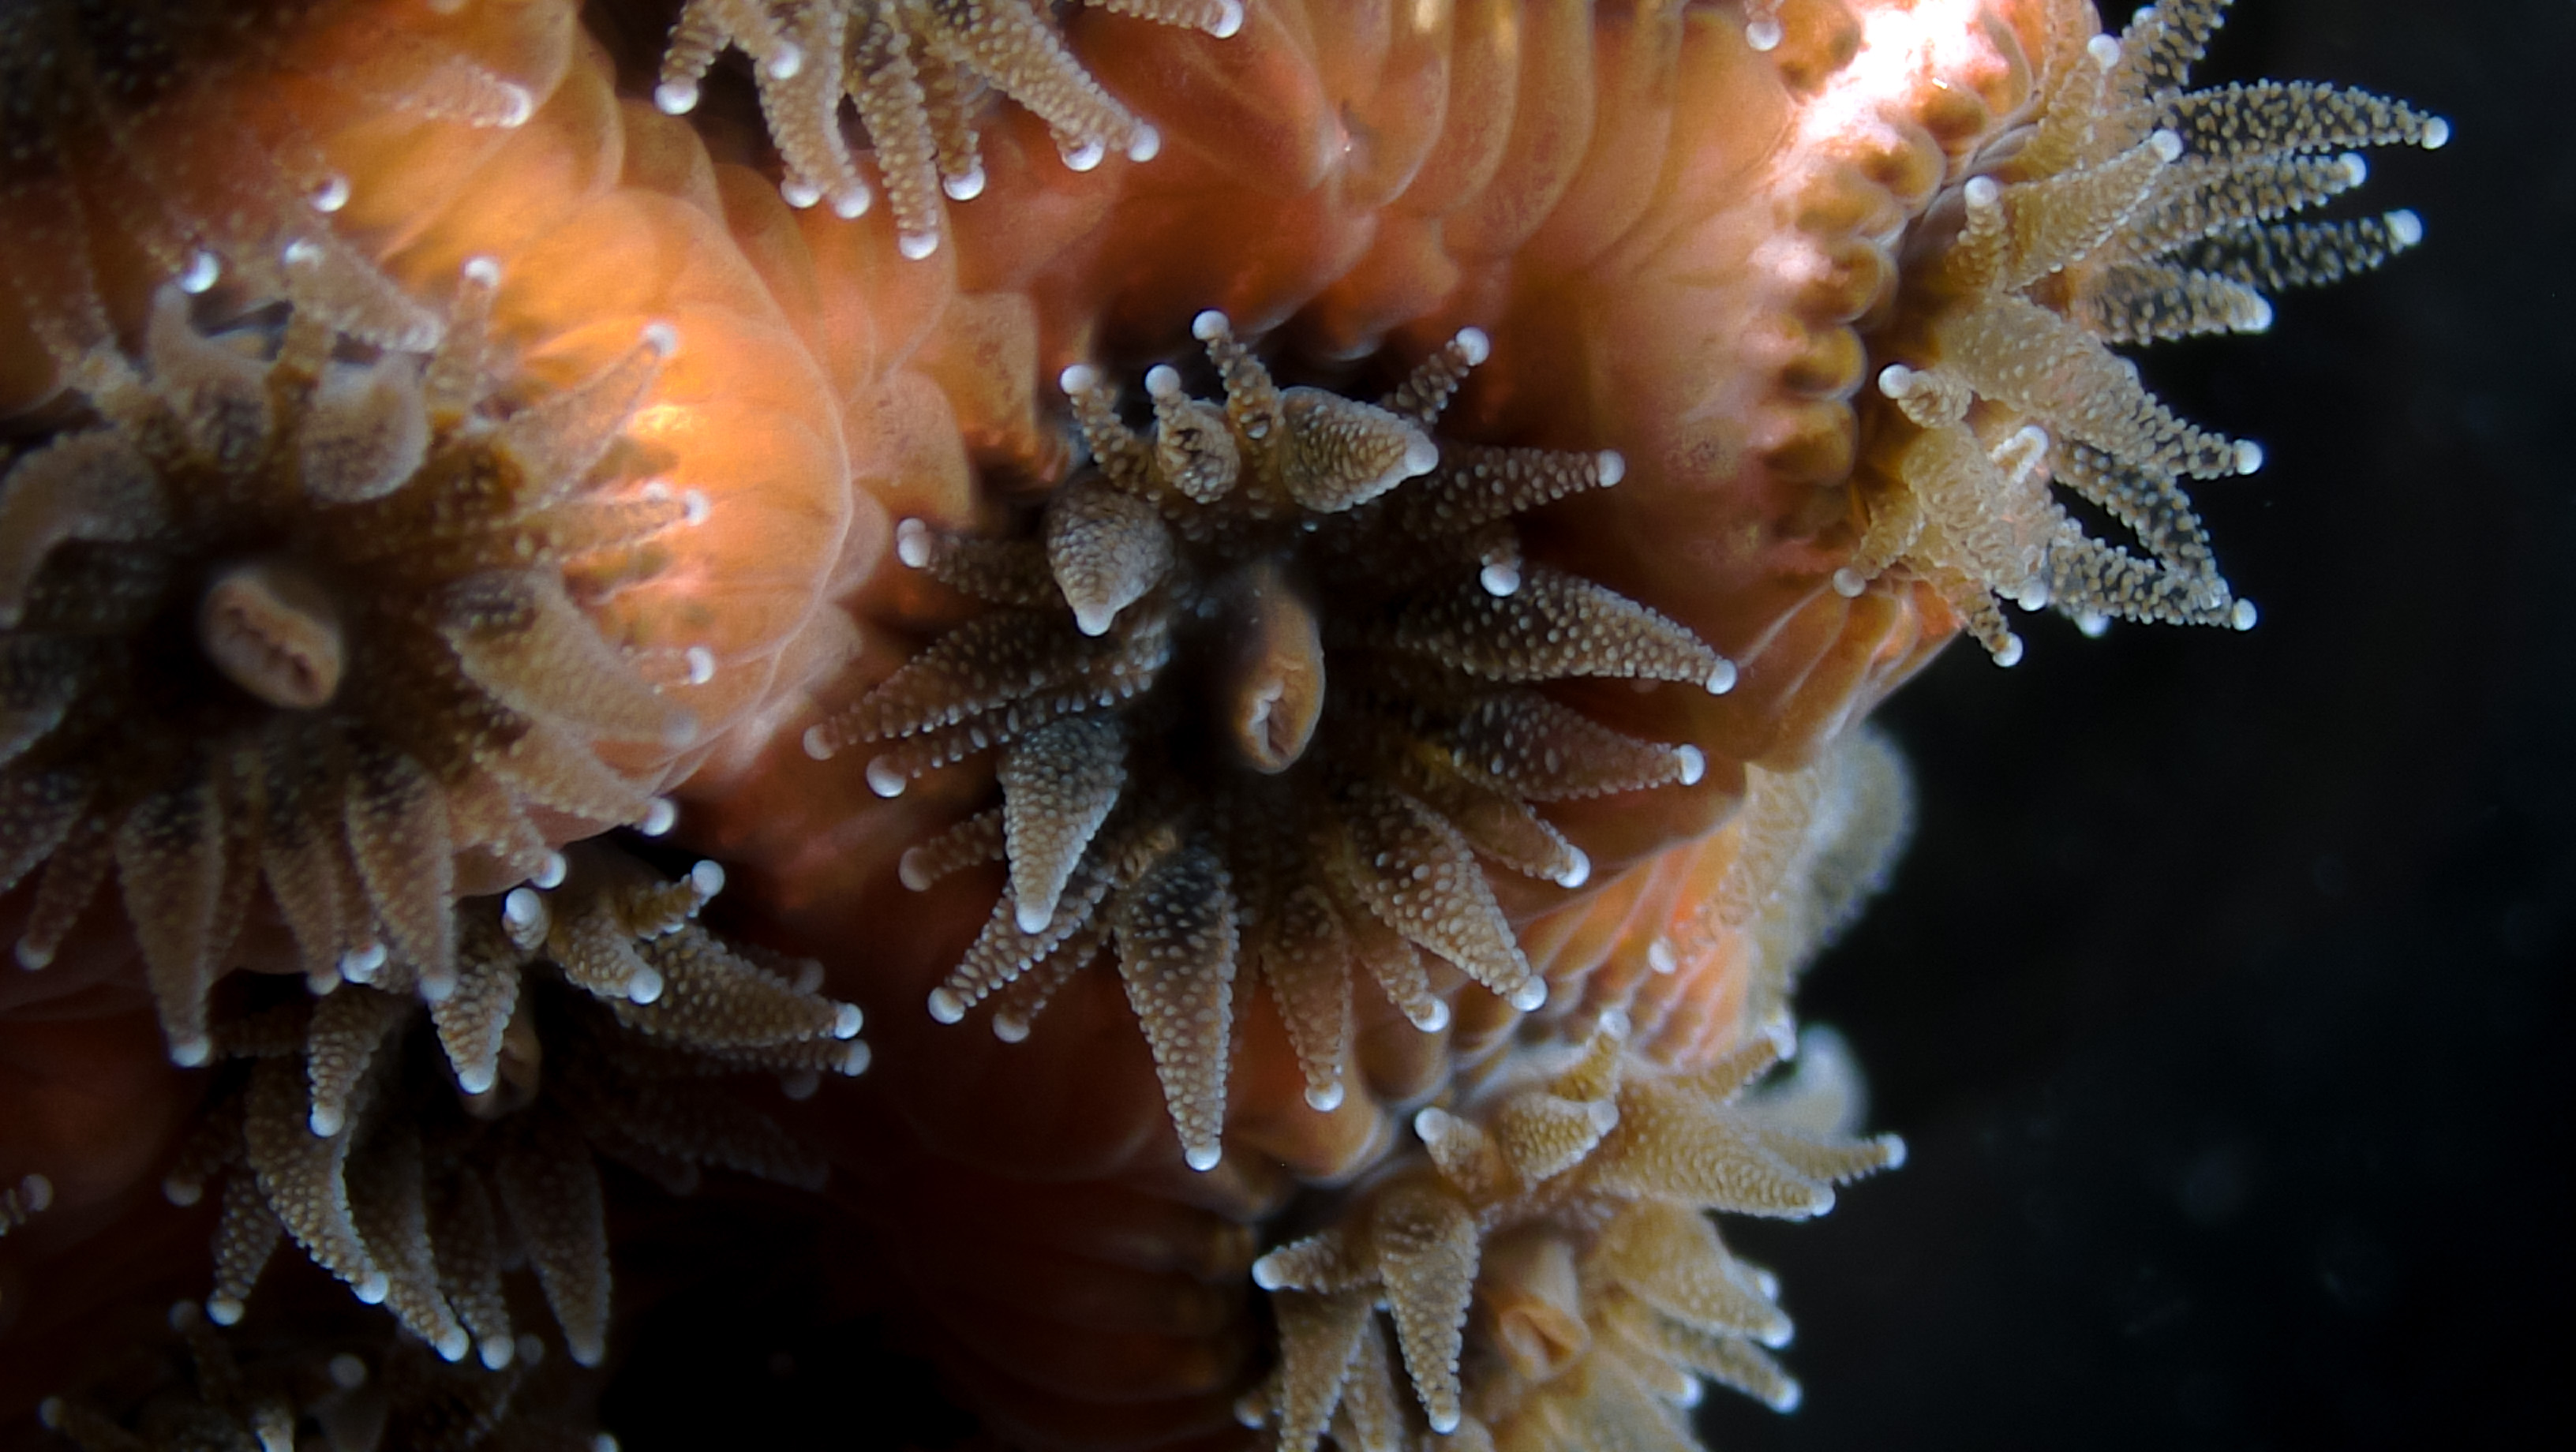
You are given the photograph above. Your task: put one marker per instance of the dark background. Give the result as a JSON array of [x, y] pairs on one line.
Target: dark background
[[2223, 996]]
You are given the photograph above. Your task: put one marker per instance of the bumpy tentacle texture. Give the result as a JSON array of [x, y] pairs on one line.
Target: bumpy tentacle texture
[[293, 610], [1806, 852], [1262, 695], [2124, 209], [1546, 1270], [915, 71], [370, 1394], [405, 1150]]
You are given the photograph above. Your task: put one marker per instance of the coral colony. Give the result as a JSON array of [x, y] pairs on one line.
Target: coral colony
[[477, 476]]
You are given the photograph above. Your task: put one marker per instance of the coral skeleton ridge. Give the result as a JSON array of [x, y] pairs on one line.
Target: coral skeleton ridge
[[914, 71], [2124, 209], [413, 1153], [1548, 1274], [1262, 695], [299, 614]]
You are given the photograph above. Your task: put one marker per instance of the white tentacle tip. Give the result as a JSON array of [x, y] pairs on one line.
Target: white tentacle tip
[[483, 269], [1692, 763], [913, 540], [1145, 145], [2249, 456], [1033, 915], [2437, 134], [2104, 49], [913, 870], [370, 1288], [644, 987], [700, 663], [1502, 581], [200, 273], [847, 1020], [183, 1192], [1433, 1018], [495, 1353], [2008, 654], [224, 1310], [785, 62], [660, 816], [477, 1078], [1893, 1147], [855, 1059], [518, 103], [886, 779], [1078, 378], [1010, 1028], [1473, 346], [799, 193], [359, 965], [1721, 679], [1659, 958], [1444, 1421], [1209, 326], [551, 874], [523, 908], [966, 187], [332, 194], [191, 1053], [2244, 616], [945, 1006], [2405, 228], [2167, 144], [1084, 155], [1229, 19], [676, 98], [1763, 34], [1577, 869], [817, 743], [707, 878], [347, 1372], [1163, 381], [1611, 466], [1421, 456], [852, 202], [917, 245], [1202, 1157], [1324, 1098], [662, 338], [1530, 997]]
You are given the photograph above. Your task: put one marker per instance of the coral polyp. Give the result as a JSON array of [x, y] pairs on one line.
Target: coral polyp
[[1264, 695], [2123, 209], [294, 616], [405, 1151], [1547, 1273]]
